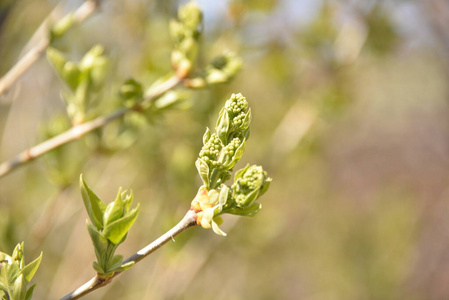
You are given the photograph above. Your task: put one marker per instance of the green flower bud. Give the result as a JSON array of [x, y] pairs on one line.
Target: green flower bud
[[237, 107], [210, 151], [234, 119], [250, 183], [190, 16]]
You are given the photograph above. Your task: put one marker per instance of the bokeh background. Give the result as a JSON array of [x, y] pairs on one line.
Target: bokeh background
[[350, 118]]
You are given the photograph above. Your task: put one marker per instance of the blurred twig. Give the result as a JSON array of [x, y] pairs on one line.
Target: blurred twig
[[97, 282], [36, 51], [438, 15], [79, 130]]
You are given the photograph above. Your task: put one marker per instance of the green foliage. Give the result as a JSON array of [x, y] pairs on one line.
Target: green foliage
[[84, 79], [109, 227], [217, 158], [15, 275]]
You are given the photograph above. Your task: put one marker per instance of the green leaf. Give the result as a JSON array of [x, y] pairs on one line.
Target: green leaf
[[217, 229], [240, 173], [222, 127], [29, 270], [60, 28], [206, 136], [99, 72], [265, 186], [29, 293], [71, 75], [128, 200], [57, 60], [18, 288], [99, 241], [114, 210], [116, 230], [246, 121], [98, 268], [223, 197], [90, 58], [248, 211], [249, 198], [131, 92], [203, 170], [94, 206], [237, 155], [114, 263]]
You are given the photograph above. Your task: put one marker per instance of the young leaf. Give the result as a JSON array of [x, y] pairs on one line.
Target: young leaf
[[29, 270], [114, 263], [240, 172], [248, 211], [94, 206], [114, 210], [57, 59], [217, 229], [222, 127], [115, 231], [203, 170], [206, 136], [98, 268], [29, 293], [223, 197], [99, 241]]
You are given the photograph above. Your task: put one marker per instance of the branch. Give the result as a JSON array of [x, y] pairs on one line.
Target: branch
[[24, 63], [98, 282], [78, 131]]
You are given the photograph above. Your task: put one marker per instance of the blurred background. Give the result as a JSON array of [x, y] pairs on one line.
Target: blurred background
[[350, 105]]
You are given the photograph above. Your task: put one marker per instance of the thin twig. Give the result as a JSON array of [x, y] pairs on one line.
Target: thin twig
[[98, 282], [24, 63], [78, 131]]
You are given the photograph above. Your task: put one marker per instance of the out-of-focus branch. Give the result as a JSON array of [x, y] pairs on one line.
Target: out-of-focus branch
[[98, 282], [36, 51], [437, 12], [81, 129]]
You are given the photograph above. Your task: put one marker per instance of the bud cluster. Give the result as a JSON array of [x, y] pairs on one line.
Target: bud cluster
[[211, 150], [249, 184], [221, 151], [234, 119]]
